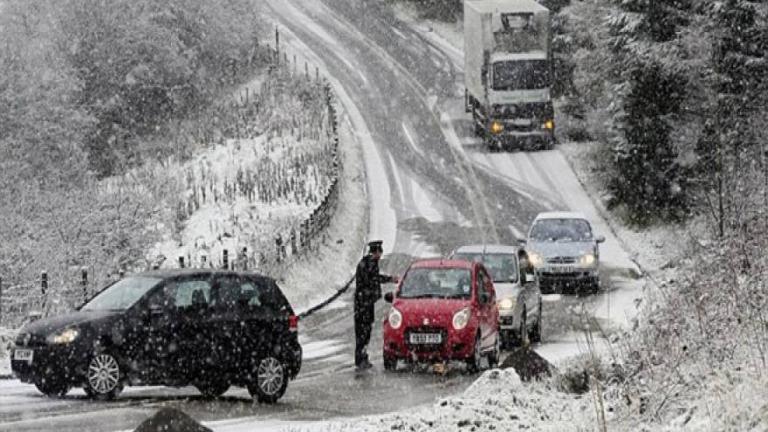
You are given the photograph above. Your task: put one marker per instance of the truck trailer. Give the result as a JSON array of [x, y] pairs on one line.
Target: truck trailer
[[508, 72]]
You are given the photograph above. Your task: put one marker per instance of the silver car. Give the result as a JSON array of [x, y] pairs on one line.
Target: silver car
[[518, 298], [564, 251]]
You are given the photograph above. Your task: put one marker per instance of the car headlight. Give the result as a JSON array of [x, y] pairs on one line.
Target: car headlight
[[548, 125], [588, 259], [507, 303], [535, 259], [461, 318], [497, 127], [395, 318], [63, 337]]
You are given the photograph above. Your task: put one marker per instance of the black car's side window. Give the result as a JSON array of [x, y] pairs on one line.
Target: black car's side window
[[176, 294], [192, 293]]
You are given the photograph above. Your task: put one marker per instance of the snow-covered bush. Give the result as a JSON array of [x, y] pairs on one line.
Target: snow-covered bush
[[701, 336]]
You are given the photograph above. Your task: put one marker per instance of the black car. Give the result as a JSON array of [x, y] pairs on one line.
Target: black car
[[206, 328]]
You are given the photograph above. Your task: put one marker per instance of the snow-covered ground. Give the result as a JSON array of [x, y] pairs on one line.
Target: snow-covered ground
[[498, 400]]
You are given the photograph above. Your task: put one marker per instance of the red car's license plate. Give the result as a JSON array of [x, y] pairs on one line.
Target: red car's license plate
[[426, 338]]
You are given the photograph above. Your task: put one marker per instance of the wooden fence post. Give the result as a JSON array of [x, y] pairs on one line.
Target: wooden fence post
[[225, 258], [277, 45], [84, 283], [181, 262], [1, 300], [44, 282]]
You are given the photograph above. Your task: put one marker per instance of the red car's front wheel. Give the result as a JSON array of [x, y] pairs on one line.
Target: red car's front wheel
[[475, 359], [390, 363]]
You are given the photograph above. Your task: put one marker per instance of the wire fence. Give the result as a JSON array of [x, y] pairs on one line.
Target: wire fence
[[49, 295]]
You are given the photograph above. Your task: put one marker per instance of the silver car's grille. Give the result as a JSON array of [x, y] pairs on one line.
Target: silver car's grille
[[561, 260]]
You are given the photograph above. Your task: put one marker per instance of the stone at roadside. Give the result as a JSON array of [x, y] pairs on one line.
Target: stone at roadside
[[528, 364], [171, 420]]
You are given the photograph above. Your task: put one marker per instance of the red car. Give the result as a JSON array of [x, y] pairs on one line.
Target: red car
[[442, 310]]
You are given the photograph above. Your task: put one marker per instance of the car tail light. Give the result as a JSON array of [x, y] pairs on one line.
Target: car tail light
[[293, 323]]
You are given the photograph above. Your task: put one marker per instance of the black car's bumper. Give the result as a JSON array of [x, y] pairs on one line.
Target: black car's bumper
[[293, 360], [50, 362]]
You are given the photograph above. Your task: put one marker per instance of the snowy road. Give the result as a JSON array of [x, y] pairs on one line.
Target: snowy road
[[431, 187]]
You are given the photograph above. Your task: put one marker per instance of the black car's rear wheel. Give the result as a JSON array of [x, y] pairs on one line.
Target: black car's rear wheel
[[52, 387], [103, 377], [212, 390], [271, 380]]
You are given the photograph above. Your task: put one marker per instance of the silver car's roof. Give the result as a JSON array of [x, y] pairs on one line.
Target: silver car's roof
[[491, 249], [561, 215]]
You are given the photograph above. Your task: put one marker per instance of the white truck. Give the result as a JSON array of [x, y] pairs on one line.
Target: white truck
[[508, 72]]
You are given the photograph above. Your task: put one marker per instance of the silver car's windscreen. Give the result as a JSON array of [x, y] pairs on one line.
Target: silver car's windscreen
[[561, 230]]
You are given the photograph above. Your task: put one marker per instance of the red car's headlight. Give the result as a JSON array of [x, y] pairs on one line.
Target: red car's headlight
[[461, 318], [395, 318]]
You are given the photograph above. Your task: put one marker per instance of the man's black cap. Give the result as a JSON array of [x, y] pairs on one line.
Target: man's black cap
[[375, 246]]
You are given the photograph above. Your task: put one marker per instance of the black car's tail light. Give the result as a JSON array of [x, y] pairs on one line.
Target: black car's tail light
[[293, 323]]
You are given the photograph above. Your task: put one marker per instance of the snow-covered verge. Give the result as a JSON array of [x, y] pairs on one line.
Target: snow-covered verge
[[496, 401], [250, 194]]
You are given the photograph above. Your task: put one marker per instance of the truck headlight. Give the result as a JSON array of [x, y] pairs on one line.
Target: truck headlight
[[497, 127], [535, 259], [64, 337], [507, 303], [395, 318], [461, 318], [588, 259]]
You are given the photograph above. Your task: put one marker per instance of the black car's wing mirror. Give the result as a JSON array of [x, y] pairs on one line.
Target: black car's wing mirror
[[389, 297]]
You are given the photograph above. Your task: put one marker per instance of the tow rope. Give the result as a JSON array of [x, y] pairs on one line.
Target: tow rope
[[327, 301]]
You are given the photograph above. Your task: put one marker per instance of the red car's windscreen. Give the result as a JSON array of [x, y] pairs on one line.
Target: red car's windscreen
[[437, 283]]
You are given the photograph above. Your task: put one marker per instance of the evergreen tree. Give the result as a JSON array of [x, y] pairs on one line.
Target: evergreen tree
[[647, 179], [729, 144]]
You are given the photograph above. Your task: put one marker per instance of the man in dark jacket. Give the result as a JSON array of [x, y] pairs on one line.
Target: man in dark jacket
[[368, 282]]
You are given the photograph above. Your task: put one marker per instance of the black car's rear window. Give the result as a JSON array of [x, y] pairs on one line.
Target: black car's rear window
[[251, 291]]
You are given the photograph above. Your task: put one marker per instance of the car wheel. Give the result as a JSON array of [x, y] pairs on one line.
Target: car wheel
[[495, 355], [390, 363], [52, 388], [596, 286], [475, 360], [211, 390], [271, 380], [522, 333], [506, 339], [535, 335], [103, 378]]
